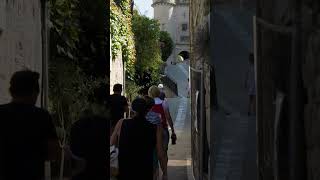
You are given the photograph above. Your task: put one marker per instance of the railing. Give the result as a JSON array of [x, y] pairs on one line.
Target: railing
[[168, 82]]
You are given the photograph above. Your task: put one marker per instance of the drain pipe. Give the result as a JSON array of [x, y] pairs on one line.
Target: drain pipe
[[297, 167]]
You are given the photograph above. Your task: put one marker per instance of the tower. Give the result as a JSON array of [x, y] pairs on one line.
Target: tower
[[164, 13], [182, 37], [173, 16]]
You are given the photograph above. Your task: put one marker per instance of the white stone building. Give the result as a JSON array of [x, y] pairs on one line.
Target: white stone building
[[21, 44], [173, 16]]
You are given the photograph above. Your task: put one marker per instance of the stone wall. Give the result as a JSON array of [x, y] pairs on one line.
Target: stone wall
[[116, 72], [20, 42], [199, 13], [281, 13], [311, 77]]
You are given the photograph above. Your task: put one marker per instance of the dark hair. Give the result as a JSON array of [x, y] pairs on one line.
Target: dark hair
[[24, 83], [139, 105], [251, 58], [117, 88], [149, 101]]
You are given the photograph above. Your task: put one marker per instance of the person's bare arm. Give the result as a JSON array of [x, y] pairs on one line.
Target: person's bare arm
[[114, 136], [160, 152], [169, 119], [125, 106], [126, 110]]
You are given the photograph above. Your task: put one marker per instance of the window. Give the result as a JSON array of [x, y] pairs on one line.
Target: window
[[184, 38], [184, 27]]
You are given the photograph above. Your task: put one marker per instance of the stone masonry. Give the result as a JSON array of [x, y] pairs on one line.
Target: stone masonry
[[199, 32], [311, 77]]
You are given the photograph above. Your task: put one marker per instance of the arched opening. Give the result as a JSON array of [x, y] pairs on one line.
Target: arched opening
[[185, 55]]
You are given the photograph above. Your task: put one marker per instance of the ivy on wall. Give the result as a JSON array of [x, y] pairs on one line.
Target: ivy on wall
[[121, 34]]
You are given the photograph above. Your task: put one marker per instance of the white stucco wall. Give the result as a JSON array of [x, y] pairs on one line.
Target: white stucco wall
[[116, 72], [20, 42], [164, 14], [182, 17]]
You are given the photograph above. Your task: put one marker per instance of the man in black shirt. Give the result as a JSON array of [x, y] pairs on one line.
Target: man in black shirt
[[118, 105], [27, 134]]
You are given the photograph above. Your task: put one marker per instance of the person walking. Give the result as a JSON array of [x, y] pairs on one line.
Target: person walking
[[162, 108], [250, 85], [27, 135], [136, 141], [162, 95], [118, 105], [88, 141], [154, 118]]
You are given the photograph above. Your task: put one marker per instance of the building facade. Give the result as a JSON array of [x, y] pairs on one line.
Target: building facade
[[173, 16]]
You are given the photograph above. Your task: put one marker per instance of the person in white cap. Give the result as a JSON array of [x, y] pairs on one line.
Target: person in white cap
[[162, 94]]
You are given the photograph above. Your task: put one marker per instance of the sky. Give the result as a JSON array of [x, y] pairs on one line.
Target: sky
[[144, 7]]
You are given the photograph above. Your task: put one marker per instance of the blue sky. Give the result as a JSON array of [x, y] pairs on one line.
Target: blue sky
[[144, 7]]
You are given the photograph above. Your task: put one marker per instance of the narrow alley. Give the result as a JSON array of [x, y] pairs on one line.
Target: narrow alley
[[160, 90], [179, 165]]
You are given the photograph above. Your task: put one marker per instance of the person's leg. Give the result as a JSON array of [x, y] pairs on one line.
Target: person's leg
[[166, 137]]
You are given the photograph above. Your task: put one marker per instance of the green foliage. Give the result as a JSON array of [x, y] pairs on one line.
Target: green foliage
[[125, 6], [94, 37], [166, 45], [70, 86], [65, 27], [70, 90], [132, 90], [121, 34], [147, 34], [78, 62]]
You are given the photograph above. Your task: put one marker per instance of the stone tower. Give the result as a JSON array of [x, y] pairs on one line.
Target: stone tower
[[173, 16], [164, 12]]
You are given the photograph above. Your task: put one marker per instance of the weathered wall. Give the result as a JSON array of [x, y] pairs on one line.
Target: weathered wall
[[116, 72], [199, 13], [280, 12], [20, 42], [311, 77], [182, 37]]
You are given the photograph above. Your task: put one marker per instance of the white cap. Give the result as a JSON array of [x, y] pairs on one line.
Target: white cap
[[160, 86]]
